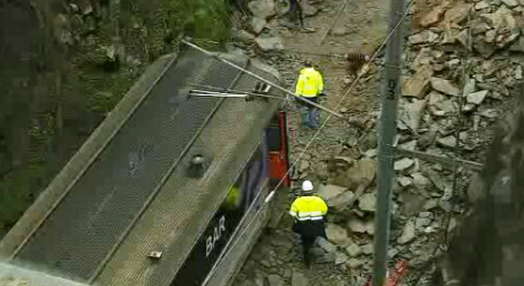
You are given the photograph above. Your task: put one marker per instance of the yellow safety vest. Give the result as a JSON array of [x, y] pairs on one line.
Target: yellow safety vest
[[308, 208], [310, 83], [232, 200]]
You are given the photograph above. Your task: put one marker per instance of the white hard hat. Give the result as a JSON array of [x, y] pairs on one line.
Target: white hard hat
[[307, 186]]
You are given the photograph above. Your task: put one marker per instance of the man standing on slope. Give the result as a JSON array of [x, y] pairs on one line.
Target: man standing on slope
[[310, 85], [296, 12], [309, 212]]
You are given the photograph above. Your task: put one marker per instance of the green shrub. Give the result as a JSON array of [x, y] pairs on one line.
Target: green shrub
[[201, 19]]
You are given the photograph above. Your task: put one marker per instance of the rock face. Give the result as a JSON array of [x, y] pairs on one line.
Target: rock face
[[444, 86], [403, 164], [353, 250], [336, 234], [337, 198], [411, 113], [456, 14], [477, 97], [257, 25], [367, 202], [354, 263], [433, 17], [448, 141], [357, 226], [423, 37], [270, 44], [326, 245], [408, 233], [262, 8], [427, 120], [243, 36], [418, 84], [362, 173]]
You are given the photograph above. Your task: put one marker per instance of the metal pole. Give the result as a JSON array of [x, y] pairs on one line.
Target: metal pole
[[262, 79], [451, 162], [387, 131], [461, 98], [238, 93]]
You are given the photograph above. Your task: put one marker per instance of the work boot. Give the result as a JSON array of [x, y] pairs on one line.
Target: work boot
[[307, 259]]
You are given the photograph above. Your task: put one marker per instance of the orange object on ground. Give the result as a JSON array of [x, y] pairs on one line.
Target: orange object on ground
[[396, 276]]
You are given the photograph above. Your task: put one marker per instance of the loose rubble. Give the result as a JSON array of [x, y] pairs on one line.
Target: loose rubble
[[437, 50]]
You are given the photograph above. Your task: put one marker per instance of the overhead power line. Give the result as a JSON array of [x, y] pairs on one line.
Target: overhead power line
[[231, 243]]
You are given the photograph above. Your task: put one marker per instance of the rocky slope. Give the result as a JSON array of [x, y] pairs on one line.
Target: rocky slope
[[462, 60]]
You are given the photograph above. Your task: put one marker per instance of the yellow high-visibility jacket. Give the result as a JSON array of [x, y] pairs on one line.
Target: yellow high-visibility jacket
[[233, 198], [310, 83], [308, 208]]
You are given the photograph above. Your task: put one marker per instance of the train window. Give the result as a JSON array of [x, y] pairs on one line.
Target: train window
[[274, 138], [253, 177]]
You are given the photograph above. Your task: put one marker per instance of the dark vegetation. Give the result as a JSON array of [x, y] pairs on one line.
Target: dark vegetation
[[66, 63]]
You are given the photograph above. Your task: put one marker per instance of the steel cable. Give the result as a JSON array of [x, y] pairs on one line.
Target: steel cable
[[231, 243]]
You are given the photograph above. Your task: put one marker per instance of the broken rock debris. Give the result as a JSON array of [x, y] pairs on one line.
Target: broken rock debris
[[438, 50]]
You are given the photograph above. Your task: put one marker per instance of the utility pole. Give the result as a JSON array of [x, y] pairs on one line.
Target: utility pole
[[390, 89]]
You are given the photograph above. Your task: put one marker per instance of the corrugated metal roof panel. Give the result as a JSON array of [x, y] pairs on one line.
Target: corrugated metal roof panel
[[135, 197]]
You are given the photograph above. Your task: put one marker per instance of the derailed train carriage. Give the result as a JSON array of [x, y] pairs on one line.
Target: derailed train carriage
[[164, 192]]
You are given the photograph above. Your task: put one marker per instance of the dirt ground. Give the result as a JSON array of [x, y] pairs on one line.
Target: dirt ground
[[351, 36], [361, 29]]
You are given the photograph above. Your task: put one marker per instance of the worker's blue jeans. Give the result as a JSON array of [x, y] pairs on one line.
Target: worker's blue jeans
[[309, 113]]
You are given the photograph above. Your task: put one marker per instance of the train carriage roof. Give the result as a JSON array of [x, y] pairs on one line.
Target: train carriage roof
[[126, 192]]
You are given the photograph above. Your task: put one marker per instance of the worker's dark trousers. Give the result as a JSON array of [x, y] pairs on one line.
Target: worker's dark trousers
[[309, 113], [296, 11], [307, 244]]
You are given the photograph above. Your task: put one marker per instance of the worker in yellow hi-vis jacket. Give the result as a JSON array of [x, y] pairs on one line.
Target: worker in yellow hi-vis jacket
[[310, 85], [309, 212]]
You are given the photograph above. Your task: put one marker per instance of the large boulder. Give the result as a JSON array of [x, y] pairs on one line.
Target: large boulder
[[269, 44], [326, 245], [444, 86], [502, 19], [362, 173], [433, 17], [356, 225], [262, 8], [411, 113], [337, 198], [353, 249], [418, 84], [257, 25], [368, 202], [243, 36], [408, 233], [337, 234], [403, 164], [456, 14], [439, 105], [477, 97]]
